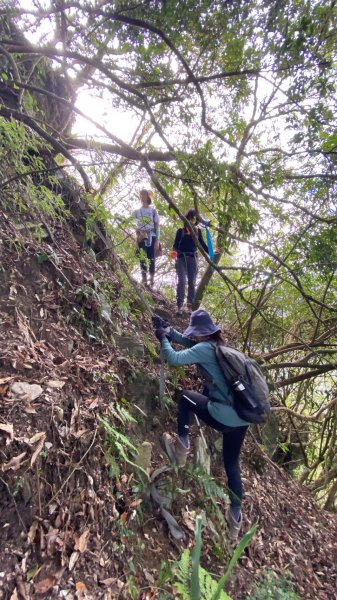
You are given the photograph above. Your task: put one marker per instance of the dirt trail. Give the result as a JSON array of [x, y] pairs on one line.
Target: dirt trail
[[70, 528]]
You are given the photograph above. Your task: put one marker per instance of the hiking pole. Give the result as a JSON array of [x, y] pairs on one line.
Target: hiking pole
[[201, 433], [161, 379]]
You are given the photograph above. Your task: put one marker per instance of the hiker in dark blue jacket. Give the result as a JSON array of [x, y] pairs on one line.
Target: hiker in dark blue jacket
[[185, 252], [213, 407]]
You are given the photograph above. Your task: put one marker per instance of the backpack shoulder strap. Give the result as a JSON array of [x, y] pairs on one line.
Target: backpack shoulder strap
[[230, 361], [182, 236]]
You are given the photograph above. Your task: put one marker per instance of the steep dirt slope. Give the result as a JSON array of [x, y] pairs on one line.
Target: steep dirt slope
[[76, 520]]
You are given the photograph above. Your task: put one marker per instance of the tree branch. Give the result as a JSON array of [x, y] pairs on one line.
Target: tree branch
[[311, 418]]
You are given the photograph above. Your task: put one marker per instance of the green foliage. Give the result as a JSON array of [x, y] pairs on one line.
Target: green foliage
[[21, 155], [133, 590], [97, 214], [94, 308], [322, 249], [194, 582], [273, 587], [211, 493], [119, 447], [121, 414]]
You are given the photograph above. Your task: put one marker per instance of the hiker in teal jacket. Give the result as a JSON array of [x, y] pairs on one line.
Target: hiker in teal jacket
[[213, 406]]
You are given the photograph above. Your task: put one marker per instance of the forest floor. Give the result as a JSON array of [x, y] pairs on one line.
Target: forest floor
[[73, 523]]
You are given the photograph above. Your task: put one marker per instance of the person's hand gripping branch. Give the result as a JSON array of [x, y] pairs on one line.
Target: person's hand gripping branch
[[161, 333], [162, 327], [159, 321]]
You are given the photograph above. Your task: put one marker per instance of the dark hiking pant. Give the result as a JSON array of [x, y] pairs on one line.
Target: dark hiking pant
[[232, 438], [150, 260], [187, 268]]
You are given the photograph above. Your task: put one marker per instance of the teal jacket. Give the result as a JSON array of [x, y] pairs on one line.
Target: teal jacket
[[203, 354]]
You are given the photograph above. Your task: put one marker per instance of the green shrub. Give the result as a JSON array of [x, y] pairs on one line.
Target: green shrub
[[193, 582]]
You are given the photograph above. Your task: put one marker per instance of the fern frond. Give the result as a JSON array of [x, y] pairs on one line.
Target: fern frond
[[114, 435], [181, 590], [183, 573], [208, 587], [121, 414], [207, 483], [182, 584], [121, 444]]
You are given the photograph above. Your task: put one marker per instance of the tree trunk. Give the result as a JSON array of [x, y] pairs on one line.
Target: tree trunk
[[330, 502], [204, 281]]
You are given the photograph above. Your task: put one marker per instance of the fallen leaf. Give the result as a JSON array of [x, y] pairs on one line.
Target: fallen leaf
[[32, 531], [44, 585], [5, 379], [92, 403], [37, 449], [3, 389], [148, 576], [79, 433], [56, 384], [14, 596], [36, 437], [73, 560], [80, 586], [136, 503], [81, 542], [14, 463], [188, 520], [8, 428], [108, 581], [124, 517]]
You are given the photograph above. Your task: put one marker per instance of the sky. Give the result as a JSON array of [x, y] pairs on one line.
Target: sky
[[120, 123]]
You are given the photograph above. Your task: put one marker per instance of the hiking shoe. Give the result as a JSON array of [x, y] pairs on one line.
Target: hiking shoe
[[175, 450], [179, 311], [234, 526]]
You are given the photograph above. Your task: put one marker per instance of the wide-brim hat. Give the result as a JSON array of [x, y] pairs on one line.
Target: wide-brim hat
[[201, 324]]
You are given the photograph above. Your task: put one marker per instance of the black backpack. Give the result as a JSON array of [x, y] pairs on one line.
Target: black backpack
[[248, 384]]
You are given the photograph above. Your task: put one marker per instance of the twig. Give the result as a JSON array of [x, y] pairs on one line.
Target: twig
[[61, 273], [265, 456], [74, 469], [38, 489], [313, 417]]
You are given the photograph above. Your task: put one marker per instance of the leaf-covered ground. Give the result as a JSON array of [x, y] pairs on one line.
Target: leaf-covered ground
[[69, 527]]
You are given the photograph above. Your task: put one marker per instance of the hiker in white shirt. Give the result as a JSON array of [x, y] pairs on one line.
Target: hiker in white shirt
[[148, 232]]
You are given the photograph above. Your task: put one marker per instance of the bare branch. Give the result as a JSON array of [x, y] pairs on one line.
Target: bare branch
[[311, 418]]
